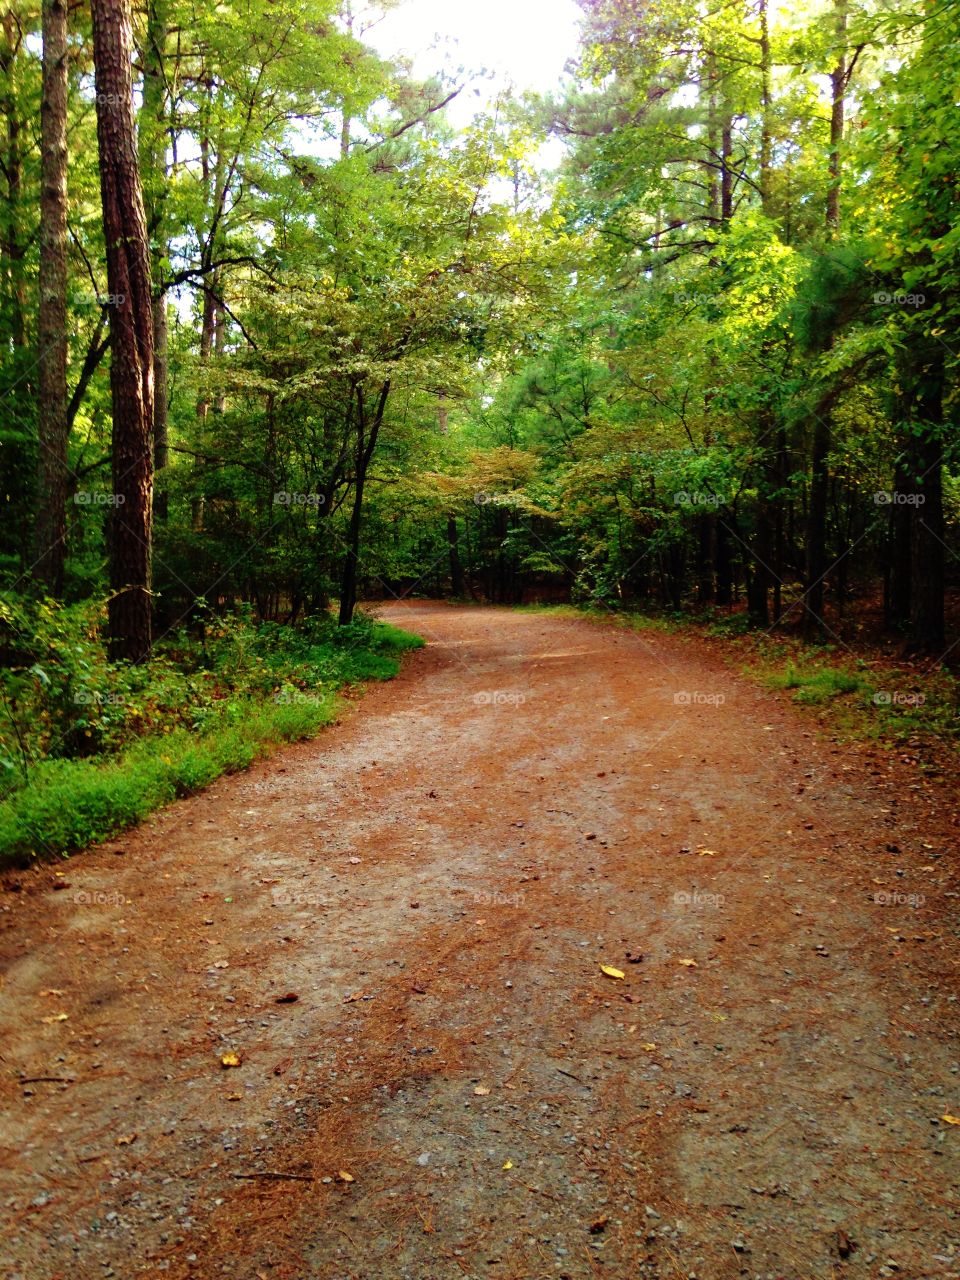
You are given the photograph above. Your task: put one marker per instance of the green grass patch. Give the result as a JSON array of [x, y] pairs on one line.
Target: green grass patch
[[275, 686]]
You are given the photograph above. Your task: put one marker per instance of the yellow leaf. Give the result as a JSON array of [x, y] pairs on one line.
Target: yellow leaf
[[56, 1017], [649, 1046], [125, 1139], [690, 964], [949, 1119], [231, 1060], [508, 1164], [611, 972], [481, 1090], [343, 1176]]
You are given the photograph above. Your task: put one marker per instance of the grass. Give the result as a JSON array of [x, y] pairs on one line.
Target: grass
[[68, 804]]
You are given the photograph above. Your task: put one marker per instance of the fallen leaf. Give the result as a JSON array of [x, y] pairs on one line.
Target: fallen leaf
[[481, 1090], [611, 972], [231, 1060], [234, 1097], [949, 1119], [845, 1246], [508, 1164], [125, 1139], [56, 1017], [343, 1176], [649, 1046], [51, 991], [690, 964]]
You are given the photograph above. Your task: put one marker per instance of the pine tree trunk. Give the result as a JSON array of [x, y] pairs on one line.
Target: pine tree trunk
[[816, 567], [52, 421], [154, 153], [927, 633], [131, 333], [766, 105], [897, 597], [12, 247]]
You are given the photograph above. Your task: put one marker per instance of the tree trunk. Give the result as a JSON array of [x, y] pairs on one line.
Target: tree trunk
[[926, 487], [838, 88], [766, 101], [759, 578], [12, 248], [366, 444], [456, 569], [705, 526], [816, 566], [897, 576], [816, 559], [722, 563], [131, 333], [52, 420], [153, 141], [726, 167]]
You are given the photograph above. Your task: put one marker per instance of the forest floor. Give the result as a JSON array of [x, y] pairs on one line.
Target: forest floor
[[458, 1090]]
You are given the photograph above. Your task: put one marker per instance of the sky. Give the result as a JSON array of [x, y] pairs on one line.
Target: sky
[[523, 42]]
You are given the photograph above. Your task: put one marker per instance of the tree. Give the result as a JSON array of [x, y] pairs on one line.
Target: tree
[[52, 421], [131, 329]]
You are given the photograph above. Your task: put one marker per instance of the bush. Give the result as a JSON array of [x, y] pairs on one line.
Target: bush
[[89, 747]]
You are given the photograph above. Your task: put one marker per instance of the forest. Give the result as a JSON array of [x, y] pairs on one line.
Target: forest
[[479, 625], [280, 337], [274, 333]]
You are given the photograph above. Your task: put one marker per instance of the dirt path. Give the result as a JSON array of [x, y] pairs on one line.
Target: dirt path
[[438, 881]]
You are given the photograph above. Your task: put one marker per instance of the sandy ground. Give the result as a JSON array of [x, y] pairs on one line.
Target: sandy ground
[[458, 1090]]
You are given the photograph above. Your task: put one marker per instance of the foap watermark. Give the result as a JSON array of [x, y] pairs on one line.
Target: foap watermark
[[298, 697], [499, 698], [899, 299], [698, 898], [285, 499], [90, 698], [99, 898], [897, 898], [289, 898], [483, 499], [696, 698], [490, 898], [698, 299], [696, 498], [90, 498], [893, 498], [898, 698]]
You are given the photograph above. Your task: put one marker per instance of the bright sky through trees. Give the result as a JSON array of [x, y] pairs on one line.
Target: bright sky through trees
[[523, 42]]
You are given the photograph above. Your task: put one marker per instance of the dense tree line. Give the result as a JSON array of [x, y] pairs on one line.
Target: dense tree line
[[274, 332]]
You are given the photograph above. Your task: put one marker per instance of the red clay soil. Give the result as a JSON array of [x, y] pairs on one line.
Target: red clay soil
[[458, 1090]]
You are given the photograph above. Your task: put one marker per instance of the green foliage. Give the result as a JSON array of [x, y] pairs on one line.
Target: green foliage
[[89, 747]]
